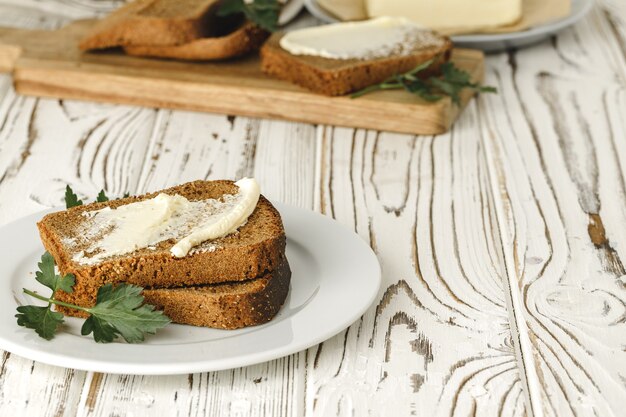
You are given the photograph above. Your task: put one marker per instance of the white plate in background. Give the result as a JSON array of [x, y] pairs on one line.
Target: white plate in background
[[335, 278], [493, 42], [290, 11]]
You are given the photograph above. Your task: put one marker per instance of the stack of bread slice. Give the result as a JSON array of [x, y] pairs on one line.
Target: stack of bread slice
[[239, 280], [178, 29]]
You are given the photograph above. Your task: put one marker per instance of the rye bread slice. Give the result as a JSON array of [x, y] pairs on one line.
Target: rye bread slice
[[227, 306], [257, 247], [223, 306], [153, 22], [334, 77], [246, 38]]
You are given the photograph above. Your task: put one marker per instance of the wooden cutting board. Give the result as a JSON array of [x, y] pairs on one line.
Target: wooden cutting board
[[49, 64]]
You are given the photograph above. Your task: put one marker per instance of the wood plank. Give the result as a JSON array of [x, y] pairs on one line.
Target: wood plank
[[39, 13], [48, 63], [89, 147], [27, 387], [32, 171], [559, 156], [437, 342], [45, 144], [83, 145], [548, 172], [32, 388]]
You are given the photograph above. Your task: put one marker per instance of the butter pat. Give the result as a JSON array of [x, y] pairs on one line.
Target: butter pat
[[146, 223], [226, 222], [450, 14], [374, 38]]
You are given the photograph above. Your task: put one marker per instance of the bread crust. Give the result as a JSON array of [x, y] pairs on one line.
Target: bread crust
[[150, 22], [222, 306], [247, 38], [334, 77], [256, 248], [242, 304]]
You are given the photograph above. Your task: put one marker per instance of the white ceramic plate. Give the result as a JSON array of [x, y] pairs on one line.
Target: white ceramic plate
[[495, 41], [290, 11], [335, 278]]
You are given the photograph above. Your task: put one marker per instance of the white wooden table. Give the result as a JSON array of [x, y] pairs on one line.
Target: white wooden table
[[502, 243]]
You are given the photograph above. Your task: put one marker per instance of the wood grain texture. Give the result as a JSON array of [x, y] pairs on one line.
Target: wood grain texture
[[502, 242], [41, 11], [33, 173], [49, 64], [89, 145], [558, 152], [437, 342]]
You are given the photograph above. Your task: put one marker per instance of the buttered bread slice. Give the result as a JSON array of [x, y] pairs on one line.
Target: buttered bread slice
[[340, 58], [84, 244]]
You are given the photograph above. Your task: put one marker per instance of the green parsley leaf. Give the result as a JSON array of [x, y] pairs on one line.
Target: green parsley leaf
[[454, 75], [47, 276], [102, 197], [423, 89], [42, 319], [431, 88], [120, 311], [262, 12], [102, 331], [71, 199]]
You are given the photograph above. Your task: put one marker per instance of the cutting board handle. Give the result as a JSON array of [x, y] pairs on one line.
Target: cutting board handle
[[10, 49]]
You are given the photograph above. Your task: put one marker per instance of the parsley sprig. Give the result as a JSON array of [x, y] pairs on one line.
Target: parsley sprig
[[262, 12], [432, 88], [102, 197], [71, 199], [119, 311]]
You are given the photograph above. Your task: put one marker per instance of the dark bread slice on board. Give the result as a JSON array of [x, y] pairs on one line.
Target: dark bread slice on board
[[257, 247], [153, 22], [246, 38], [334, 77]]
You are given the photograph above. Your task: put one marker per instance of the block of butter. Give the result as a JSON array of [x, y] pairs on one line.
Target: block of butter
[[449, 15]]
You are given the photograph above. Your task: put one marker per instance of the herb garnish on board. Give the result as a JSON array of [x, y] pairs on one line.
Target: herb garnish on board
[[262, 12], [432, 88]]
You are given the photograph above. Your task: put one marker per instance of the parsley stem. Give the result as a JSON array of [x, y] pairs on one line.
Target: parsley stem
[[53, 301], [372, 88], [450, 82]]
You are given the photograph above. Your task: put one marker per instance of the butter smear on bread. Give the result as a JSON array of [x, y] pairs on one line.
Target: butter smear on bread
[[122, 230], [368, 39]]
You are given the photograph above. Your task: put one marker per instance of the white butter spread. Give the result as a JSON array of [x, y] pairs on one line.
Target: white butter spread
[[374, 38], [146, 223], [449, 14], [226, 222]]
